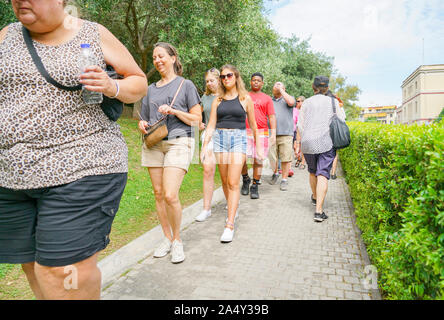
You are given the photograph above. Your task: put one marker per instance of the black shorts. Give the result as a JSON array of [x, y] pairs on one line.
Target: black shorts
[[62, 225]]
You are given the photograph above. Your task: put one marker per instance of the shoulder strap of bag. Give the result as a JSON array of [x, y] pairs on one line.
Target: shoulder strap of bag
[[40, 67], [171, 105], [333, 104], [177, 93]]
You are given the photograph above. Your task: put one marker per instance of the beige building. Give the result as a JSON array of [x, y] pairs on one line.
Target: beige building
[[422, 95], [383, 114]]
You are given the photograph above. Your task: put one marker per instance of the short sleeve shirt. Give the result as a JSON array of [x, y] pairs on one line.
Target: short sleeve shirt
[[157, 96], [263, 108], [295, 117], [314, 123], [207, 100], [284, 117]]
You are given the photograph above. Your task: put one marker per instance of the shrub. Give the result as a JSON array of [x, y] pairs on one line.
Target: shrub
[[396, 177]]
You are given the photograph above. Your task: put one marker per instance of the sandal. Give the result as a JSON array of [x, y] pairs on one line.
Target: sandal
[[229, 225]]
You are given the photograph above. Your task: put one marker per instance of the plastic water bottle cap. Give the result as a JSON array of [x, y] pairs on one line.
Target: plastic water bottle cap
[[84, 45]]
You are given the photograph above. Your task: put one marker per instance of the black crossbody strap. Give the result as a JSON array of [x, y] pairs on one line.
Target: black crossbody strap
[[38, 63], [334, 105]]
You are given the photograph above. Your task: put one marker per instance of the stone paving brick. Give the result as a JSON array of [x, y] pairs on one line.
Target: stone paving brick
[[335, 278], [335, 293], [278, 252], [353, 295], [352, 280], [319, 291], [344, 286]]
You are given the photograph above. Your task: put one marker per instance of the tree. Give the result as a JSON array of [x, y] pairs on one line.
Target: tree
[[300, 65], [210, 34], [206, 33], [349, 94], [440, 116], [6, 14]]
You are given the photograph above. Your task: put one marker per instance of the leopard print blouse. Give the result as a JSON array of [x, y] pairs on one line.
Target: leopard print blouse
[[49, 136]]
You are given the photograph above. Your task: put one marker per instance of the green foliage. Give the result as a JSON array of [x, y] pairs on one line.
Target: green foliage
[[348, 94], [441, 115], [371, 119], [210, 34], [6, 14], [396, 178]]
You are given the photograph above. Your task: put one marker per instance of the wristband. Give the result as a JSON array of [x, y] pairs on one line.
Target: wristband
[[118, 89]]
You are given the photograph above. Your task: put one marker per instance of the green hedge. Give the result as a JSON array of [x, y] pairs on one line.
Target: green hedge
[[396, 178]]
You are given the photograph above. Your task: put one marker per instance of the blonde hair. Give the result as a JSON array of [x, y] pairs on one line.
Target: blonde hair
[[215, 73], [240, 85]]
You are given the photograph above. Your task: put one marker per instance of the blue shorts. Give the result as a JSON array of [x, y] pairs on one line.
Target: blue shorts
[[320, 164], [230, 140]]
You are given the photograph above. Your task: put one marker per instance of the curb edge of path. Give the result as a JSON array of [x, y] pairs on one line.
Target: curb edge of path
[[125, 258], [376, 294]]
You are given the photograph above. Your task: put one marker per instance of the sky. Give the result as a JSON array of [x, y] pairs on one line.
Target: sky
[[376, 44]]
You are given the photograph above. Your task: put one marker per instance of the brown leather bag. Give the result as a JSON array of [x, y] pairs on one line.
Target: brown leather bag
[[159, 130]]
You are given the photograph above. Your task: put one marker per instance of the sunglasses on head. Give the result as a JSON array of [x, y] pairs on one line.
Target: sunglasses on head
[[228, 76]]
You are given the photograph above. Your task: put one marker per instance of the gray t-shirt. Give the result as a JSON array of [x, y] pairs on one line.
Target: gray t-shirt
[[157, 96], [284, 117], [206, 104]]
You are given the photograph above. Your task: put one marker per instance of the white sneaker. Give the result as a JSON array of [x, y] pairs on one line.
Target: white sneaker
[[177, 254], [163, 249], [203, 215], [227, 236]]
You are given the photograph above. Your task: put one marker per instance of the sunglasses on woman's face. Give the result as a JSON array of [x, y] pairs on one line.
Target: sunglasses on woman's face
[[228, 76]]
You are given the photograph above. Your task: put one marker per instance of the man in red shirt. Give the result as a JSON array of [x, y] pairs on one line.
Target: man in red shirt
[[263, 111]]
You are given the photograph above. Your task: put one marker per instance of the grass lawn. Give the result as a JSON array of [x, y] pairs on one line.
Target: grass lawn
[[137, 213]]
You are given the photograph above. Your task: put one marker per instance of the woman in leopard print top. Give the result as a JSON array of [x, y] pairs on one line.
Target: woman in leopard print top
[[63, 163]]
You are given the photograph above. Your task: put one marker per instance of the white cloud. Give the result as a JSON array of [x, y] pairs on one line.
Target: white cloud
[[375, 43], [352, 31]]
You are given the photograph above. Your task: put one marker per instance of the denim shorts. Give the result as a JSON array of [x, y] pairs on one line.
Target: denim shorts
[[61, 225], [230, 140]]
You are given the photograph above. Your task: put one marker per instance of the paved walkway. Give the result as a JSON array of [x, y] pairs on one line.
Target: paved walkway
[[278, 252]]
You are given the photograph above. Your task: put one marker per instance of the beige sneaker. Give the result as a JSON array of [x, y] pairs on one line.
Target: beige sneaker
[[163, 249], [177, 254]]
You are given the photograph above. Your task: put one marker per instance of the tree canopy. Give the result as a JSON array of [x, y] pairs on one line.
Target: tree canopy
[[210, 34]]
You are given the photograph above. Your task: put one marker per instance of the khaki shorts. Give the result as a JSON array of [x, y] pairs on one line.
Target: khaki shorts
[[169, 153], [283, 148]]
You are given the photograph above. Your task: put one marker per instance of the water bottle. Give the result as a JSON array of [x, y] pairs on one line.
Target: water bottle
[[87, 59]]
